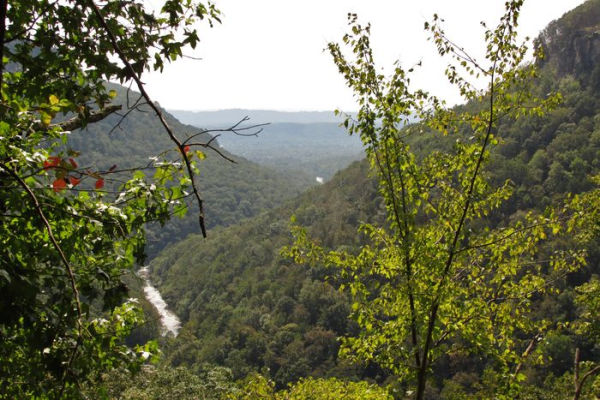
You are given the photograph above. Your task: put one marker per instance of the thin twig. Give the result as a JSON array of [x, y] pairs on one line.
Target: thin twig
[[207, 145], [133, 75], [234, 128], [508, 235], [130, 109]]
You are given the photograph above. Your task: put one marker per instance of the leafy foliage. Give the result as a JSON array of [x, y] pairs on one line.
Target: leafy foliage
[[165, 384], [66, 240], [257, 387], [436, 279], [252, 310]]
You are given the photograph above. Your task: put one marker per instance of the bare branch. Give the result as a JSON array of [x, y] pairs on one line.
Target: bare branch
[[213, 148], [3, 9], [526, 354], [135, 107], [236, 129], [133, 75]]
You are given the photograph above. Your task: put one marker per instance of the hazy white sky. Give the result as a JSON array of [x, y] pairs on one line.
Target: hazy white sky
[[268, 54]]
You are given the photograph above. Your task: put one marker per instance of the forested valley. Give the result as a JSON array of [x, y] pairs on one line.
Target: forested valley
[[444, 252]]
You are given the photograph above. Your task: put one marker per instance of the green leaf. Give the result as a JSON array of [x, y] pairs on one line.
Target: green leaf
[[45, 118]]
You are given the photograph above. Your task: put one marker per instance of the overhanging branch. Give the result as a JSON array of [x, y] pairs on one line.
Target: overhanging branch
[[79, 122], [133, 75]]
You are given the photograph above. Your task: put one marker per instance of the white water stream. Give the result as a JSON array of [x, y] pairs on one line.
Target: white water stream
[[169, 321]]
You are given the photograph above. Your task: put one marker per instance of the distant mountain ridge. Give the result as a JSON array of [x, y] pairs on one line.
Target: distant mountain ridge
[[318, 149], [306, 142], [224, 118]]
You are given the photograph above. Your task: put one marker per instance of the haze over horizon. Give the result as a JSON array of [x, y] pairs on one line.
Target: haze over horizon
[[268, 55]]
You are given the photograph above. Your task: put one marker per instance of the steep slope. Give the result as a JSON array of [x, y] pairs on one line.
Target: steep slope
[[246, 307], [572, 43], [231, 191]]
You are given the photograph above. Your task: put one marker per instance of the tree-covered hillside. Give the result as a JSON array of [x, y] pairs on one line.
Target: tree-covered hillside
[[67, 238], [247, 307], [232, 191], [315, 149], [310, 143]]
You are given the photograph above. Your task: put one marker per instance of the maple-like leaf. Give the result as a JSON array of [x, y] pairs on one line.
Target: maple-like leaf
[[59, 184]]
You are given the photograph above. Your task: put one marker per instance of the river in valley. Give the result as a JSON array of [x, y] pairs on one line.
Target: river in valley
[[169, 322]]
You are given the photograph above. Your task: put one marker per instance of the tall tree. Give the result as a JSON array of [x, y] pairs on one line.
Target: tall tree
[[69, 233], [437, 279]]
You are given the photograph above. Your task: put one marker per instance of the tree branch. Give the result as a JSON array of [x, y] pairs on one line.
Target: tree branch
[[130, 109], [234, 128], [78, 122], [64, 261], [219, 152], [526, 354], [133, 75], [579, 383], [453, 247]]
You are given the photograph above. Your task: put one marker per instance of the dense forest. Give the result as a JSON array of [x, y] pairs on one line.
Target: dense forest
[[247, 307], [456, 257], [235, 188]]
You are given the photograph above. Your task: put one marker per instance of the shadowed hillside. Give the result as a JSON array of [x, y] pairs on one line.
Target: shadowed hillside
[[246, 307]]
